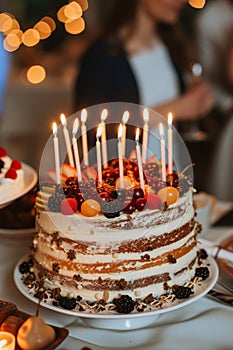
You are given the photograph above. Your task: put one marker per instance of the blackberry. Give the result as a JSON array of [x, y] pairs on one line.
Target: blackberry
[[184, 185], [182, 292], [1, 164], [125, 304], [203, 254], [202, 272], [111, 209], [67, 303], [54, 202], [24, 267]]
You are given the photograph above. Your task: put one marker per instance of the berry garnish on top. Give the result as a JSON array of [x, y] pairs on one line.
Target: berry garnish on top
[[3, 152], [16, 164], [11, 174], [69, 206]]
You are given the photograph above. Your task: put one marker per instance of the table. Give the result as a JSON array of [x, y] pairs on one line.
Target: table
[[204, 324]]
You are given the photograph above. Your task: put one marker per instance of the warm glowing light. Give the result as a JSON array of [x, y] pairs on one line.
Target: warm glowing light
[[137, 135], [99, 131], [50, 22], [82, 3], [104, 115], [75, 27], [63, 119], [31, 37], [198, 4], [4, 17], [125, 117], [43, 29], [169, 118], [7, 45], [73, 10], [36, 74], [13, 40], [54, 126], [61, 16], [75, 126], [145, 115], [120, 131]]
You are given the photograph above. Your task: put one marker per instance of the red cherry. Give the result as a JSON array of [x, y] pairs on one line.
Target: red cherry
[[16, 164], [129, 208], [140, 204], [11, 174], [3, 152], [153, 201]]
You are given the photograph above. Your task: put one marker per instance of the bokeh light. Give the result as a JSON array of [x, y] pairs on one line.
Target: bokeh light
[[31, 37], [199, 4], [43, 29], [36, 74], [76, 26]]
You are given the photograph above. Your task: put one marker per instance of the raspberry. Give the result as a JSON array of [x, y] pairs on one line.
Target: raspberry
[[153, 201], [67, 303], [3, 152], [69, 206], [202, 272], [124, 305], [11, 174], [182, 292], [16, 164], [54, 202]]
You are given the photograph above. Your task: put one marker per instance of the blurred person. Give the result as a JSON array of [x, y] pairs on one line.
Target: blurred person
[[142, 57], [214, 29], [4, 73]]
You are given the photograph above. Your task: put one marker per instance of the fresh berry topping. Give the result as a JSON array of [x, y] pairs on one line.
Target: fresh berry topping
[[90, 207], [140, 204], [153, 201], [54, 202], [202, 272], [184, 185], [111, 209], [119, 194], [168, 194], [24, 267], [69, 206], [203, 254], [124, 305], [138, 193], [129, 208], [16, 164], [67, 303], [3, 152], [1, 164], [11, 174], [182, 292]]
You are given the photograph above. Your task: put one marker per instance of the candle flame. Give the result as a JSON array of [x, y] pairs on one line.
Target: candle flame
[[145, 115], [137, 135], [54, 129], [104, 115], [120, 131], [161, 130], [3, 342], [125, 117], [84, 116], [170, 118], [99, 131], [75, 126], [63, 119]]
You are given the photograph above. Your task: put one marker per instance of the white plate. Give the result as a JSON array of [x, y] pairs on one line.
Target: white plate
[[111, 320], [31, 178]]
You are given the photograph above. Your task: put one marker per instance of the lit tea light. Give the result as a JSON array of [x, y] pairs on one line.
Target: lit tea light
[[139, 158], [162, 148], [67, 139], [7, 341], [170, 143], [145, 134], [75, 147], [56, 154], [125, 119], [98, 152], [103, 117], [84, 136], [120, 156]]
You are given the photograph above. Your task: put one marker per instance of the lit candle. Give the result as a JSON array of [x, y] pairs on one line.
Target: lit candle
[[56, 153], [7, 341], [103, 117], [139, 158], [162, 147], [75, 147], [98, 153], [170, 151], [145, 134], [67, 139], [121, 171], [125, 119], [84, 136]]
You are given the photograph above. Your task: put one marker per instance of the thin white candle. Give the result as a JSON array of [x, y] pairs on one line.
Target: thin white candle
[[125, 119], [139, 158], [170, 143], [67, 139], [145, 134], [84, 136], [75, 147], [121, 168], [98, 153], [162, 147], [56, 154], [103, 117]]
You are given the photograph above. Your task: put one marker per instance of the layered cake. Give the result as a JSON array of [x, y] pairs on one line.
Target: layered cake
[[102, 246], [11, 176]]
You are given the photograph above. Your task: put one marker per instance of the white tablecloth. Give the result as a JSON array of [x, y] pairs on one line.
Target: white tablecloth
[[204, 324]]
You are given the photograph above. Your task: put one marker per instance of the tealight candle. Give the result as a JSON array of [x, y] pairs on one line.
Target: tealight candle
[[98, 153], [7, 341], [125, 119], [103, 117], [139, 158], [84, 136], [56, 154], [121, 169], [170, 151], [75, 147], [162, 147], [145, 134], [67, 139]]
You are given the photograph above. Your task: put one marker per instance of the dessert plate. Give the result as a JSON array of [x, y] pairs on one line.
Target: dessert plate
[[31, 178], [113, 320]]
